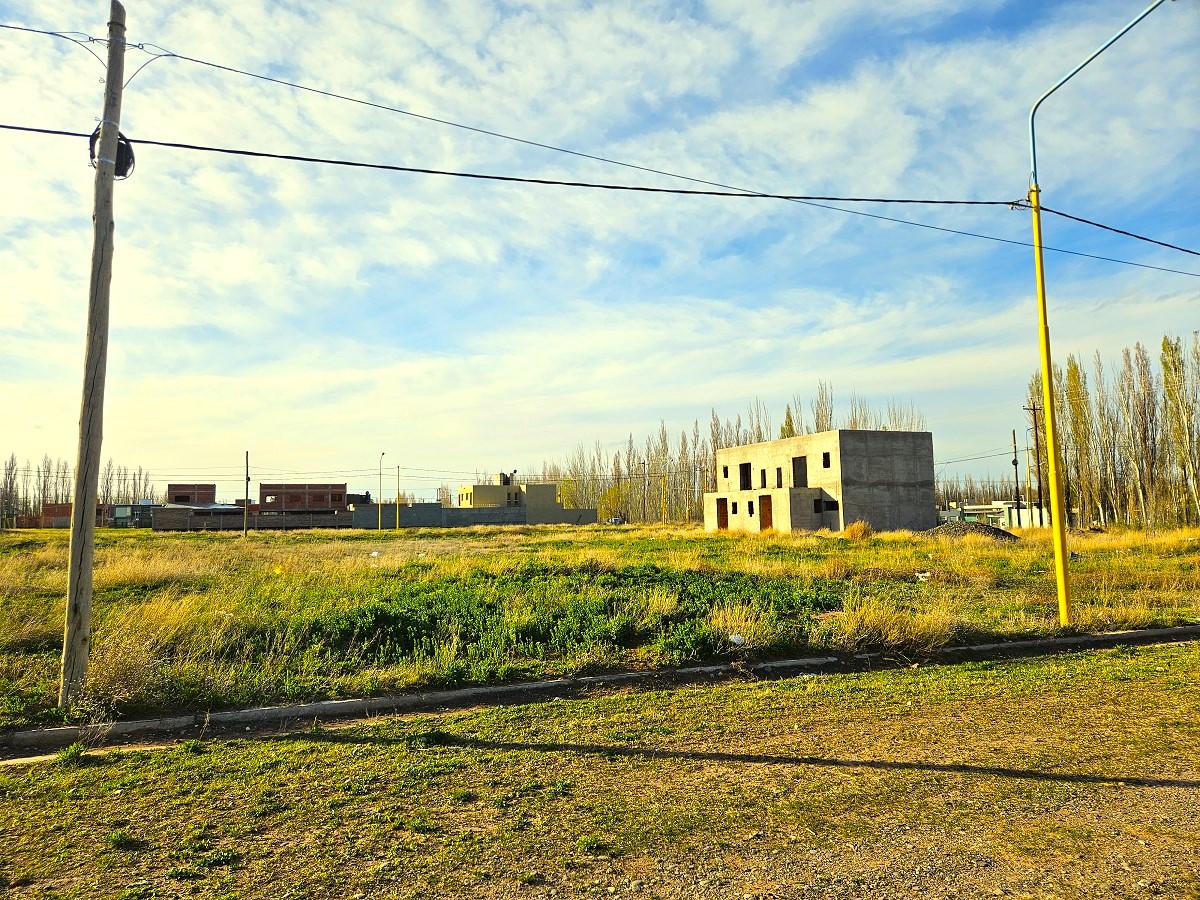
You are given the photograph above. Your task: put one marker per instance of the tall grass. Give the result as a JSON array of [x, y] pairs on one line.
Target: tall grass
[[878, 623], [207, 620]]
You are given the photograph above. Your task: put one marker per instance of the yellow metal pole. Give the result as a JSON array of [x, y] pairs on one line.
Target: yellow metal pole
[[664, 499], [1057, 506], [397, 498]]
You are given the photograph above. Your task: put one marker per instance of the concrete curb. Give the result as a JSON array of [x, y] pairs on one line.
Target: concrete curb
[[51, 738]]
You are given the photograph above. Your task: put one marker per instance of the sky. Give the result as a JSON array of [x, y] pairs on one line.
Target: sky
[[318, 316]]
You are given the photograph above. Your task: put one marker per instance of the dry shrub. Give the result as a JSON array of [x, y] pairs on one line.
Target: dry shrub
[[858, 531], [754, 626], [881, 623]]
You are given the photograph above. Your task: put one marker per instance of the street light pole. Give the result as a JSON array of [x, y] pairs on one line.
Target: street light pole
[[379, 499], [1057, 515]]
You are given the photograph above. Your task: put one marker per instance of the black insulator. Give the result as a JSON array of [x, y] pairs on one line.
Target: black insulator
[[124, 161]]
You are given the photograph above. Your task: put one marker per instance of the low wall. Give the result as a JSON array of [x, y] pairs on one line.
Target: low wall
[[170, 519], [433, 515]]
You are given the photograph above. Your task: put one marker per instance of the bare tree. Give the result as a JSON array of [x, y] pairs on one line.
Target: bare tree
[[822, 407]]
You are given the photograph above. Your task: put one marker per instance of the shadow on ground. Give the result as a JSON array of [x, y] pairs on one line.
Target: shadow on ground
[[439, 738]]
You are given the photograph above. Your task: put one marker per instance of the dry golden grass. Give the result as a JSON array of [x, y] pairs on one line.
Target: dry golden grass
[[142, 568], [1121, 615], [857, 531], [742, 620], [875, 622], [658, 603]]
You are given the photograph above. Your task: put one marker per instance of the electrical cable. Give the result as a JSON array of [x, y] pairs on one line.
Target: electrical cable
[[810, 201], [258, 154], [167, 54], [1135, 236], [65, 35], [261, 154], [946, 462]]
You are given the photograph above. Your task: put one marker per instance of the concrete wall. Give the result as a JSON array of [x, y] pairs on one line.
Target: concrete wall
[[882, 477], [434, 515], [887, 479], [184, 519], [557, 515], [540, 496], [455, 517], [771, 462], [774, 460]]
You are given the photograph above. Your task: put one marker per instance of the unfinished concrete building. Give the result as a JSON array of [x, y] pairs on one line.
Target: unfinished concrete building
[[825, 480], [539, 502]]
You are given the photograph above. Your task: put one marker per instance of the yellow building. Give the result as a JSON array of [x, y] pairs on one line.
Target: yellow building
[[540, 502]]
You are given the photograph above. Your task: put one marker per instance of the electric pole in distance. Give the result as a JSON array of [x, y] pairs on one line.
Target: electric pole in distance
[[77, 631], [1016, 478], [246, 500]]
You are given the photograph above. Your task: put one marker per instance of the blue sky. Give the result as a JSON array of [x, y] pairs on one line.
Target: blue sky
[[318, 316]]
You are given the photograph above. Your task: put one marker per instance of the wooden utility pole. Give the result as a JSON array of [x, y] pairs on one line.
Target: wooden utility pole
[[77, 632], [1017, 478], [246, 508]]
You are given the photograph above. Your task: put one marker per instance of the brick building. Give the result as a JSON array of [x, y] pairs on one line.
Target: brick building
[[278, 498], [192, 494]]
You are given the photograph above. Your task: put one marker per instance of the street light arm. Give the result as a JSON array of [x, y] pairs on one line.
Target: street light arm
[[1075, 71]]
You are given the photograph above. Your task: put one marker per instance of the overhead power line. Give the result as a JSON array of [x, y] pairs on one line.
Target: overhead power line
[[517, 179], [946, 462], [260, 154], [65, 35], [1101, 225], [163, 53], [167, 54]]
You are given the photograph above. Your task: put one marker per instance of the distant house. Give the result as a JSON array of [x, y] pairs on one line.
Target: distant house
[[539, 502], [825, 480], [310, 498], [193, 494], [999, 513]]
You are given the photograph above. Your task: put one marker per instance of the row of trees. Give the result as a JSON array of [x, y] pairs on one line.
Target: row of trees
[[25, 487], [1129, 434], [664, 478]]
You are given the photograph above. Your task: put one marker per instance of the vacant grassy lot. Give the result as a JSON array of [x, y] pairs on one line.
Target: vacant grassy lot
[[194, 621], [1074, 776]]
